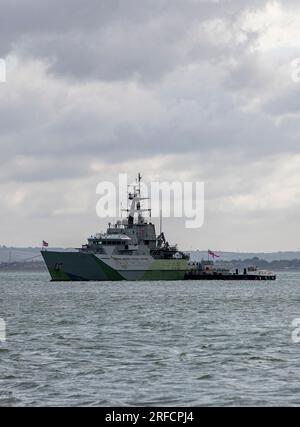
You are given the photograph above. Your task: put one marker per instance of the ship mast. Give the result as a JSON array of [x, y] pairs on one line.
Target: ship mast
[[135, 197], [139, 179]]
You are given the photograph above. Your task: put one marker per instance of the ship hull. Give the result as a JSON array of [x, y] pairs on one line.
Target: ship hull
[[81, 266]]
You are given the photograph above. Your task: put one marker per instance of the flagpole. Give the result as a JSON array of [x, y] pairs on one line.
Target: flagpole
[[44, 245]]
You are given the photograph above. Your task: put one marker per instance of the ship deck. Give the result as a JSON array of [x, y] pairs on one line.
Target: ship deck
[[205, 276]]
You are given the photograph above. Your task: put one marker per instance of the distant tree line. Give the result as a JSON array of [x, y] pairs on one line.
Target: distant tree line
[[261, 263]]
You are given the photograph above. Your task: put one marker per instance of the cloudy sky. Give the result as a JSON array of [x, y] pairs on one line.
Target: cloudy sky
[[189, 90]]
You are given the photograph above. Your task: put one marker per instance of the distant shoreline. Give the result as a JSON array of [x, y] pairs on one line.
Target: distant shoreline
[[38, 266], [277, 265], [14, 259], [19, 254]]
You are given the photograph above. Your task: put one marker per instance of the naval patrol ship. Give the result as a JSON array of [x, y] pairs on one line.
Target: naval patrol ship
[[129, 250]]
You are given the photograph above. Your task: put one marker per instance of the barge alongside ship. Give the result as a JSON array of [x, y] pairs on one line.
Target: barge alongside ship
[[206, 270]]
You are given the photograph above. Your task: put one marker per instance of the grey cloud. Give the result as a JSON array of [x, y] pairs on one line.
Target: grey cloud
[[139, 83], [113, 40], [285, 104]]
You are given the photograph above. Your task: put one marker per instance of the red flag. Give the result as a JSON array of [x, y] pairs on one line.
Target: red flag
[[213, 254], [45, 244]]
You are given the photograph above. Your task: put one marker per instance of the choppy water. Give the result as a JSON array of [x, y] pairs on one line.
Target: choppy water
[[167, 343]]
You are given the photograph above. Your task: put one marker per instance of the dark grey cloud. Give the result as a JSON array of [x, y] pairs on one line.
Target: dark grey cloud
[[113, 39]]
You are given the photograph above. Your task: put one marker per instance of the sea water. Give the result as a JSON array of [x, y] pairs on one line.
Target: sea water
[[149, 343]]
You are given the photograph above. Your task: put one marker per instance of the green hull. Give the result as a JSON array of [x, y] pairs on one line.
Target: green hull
[[79, 266]]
